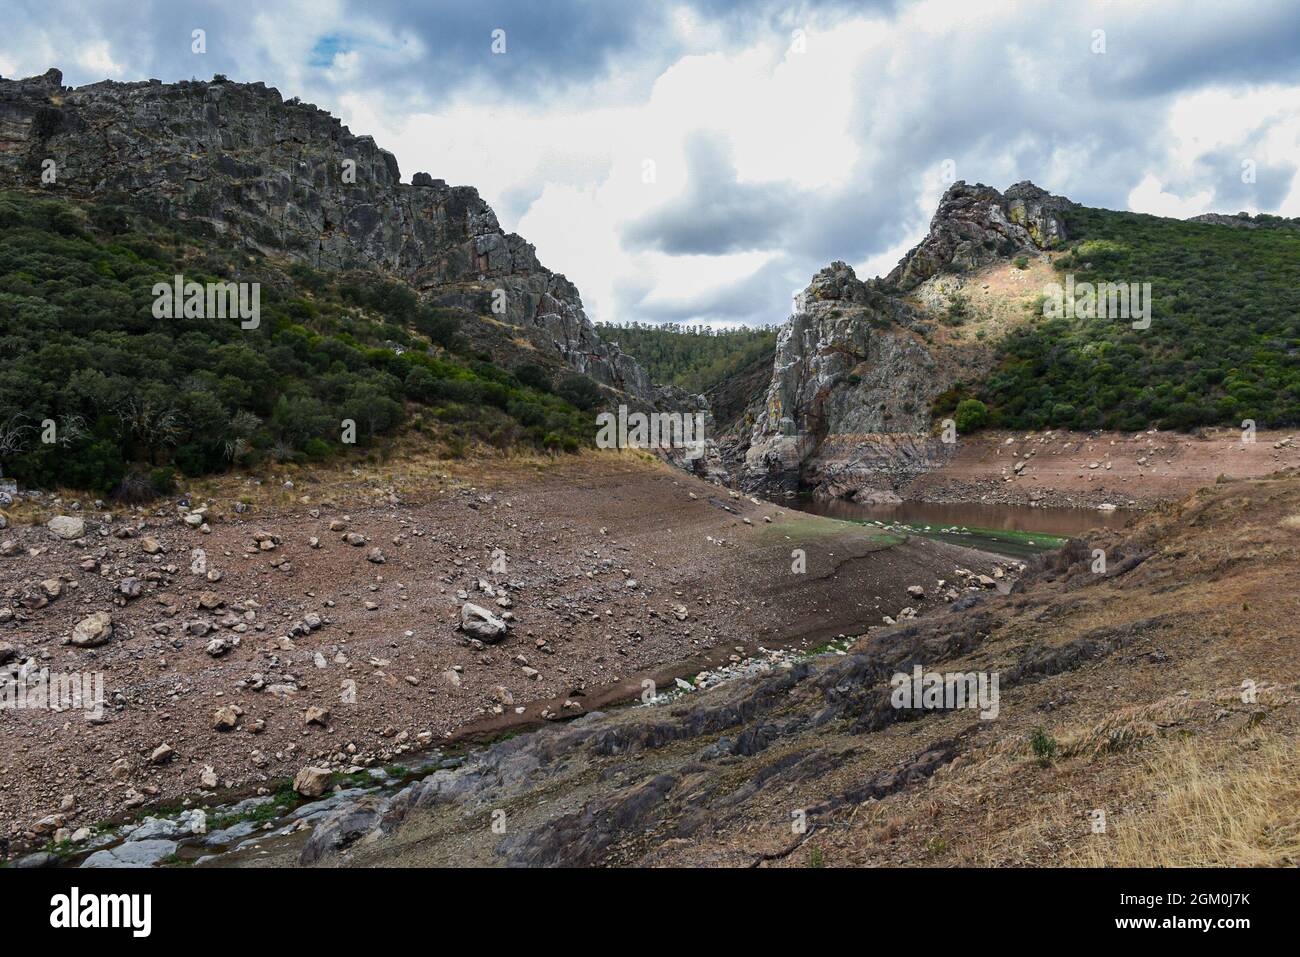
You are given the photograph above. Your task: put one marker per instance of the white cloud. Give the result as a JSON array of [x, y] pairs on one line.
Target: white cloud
[[1149, 196]]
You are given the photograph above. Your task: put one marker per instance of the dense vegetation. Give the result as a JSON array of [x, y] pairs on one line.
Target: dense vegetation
[[133, 399], [1223, 345], [694, 357]]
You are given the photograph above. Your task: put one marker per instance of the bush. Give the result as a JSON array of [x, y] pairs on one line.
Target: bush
[[163, 480], [971, 415], [1044, 746], [580, 391]]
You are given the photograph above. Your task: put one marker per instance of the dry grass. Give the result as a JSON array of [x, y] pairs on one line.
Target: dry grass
[[1215, 804], [413, 467]]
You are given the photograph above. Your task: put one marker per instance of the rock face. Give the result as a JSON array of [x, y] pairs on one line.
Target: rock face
[[851, 369], [856, 371], [975, 225], [286, 177]]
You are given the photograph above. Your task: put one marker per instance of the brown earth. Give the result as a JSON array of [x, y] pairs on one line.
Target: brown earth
[[1148, 715], [1132, 470], [576, 532]]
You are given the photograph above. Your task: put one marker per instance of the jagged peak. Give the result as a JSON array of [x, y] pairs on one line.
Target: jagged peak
[[974, 225]]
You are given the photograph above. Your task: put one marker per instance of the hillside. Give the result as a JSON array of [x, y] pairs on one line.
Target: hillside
[[866, 373], [695, 358], [287, 180], [136, 401], [1223, 346]]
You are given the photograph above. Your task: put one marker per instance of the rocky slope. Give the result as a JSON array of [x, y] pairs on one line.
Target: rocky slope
[[858, 366], [289, 179], [230, 631], [1158, 696]]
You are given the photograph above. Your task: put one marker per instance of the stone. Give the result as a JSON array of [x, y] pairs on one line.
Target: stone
[[93, 630], [66, 527], [162, 754], [227, 718], [317, 715], [311, 781], [132, 854], [480, 623], [343, 826]]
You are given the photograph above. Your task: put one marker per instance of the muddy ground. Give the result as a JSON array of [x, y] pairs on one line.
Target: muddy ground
[[616, 568]]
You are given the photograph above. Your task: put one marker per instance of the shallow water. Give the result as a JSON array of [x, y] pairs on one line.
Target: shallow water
[[976, 525]]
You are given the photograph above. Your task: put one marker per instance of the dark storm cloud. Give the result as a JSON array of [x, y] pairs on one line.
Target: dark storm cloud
[[1263, 185], [1163, 50]]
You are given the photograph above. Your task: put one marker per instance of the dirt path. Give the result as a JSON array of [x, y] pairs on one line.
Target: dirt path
[[614, 568]]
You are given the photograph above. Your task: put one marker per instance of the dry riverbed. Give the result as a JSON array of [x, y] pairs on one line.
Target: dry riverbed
[[320, 625]]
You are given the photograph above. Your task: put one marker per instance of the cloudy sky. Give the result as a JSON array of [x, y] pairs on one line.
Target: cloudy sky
[[698, 161]]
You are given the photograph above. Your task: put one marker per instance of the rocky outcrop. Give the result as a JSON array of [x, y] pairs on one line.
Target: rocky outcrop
[[857, 369], [852, 365], [289, 179], [975, 225]]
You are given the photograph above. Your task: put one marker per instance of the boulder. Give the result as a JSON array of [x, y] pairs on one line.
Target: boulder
[[66, 527], [480, 623], [94, 630], [311, 782], [227, 718]]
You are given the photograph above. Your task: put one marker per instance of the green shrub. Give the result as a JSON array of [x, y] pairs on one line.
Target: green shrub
[[971, 414], [163, 480]]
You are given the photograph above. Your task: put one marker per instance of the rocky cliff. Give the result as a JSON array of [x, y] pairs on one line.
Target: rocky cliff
[[975, 225], [289, 179], [858, 366]]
